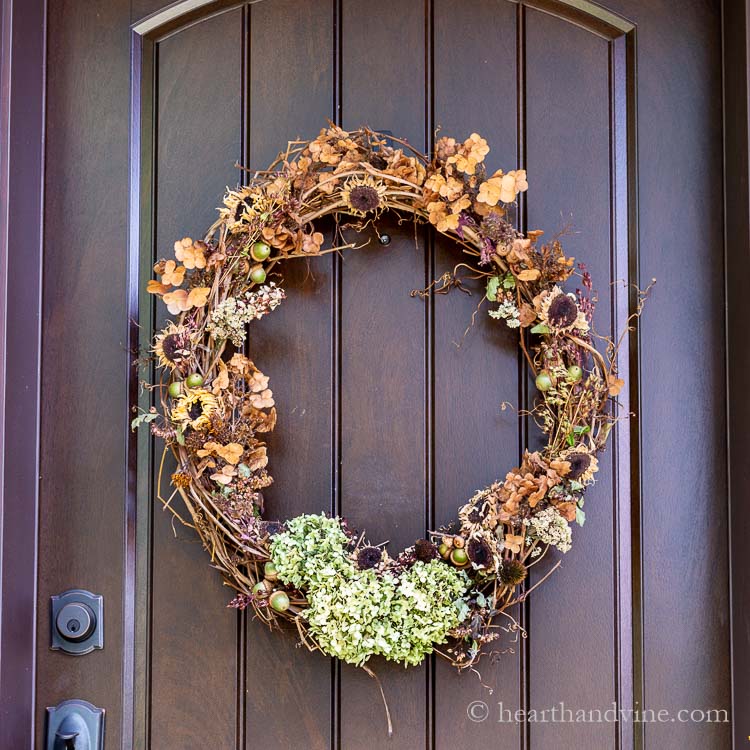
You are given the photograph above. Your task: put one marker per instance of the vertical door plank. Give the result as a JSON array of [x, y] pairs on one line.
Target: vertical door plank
[[288, 695], [475, 442], [194, 635], [683, 408], [84, 356], [383, 385], [571, 617]]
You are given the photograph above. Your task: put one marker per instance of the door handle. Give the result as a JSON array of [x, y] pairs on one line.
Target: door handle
[[75, 725]]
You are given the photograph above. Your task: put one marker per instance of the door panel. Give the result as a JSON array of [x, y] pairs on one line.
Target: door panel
[[567, 152], [189, 104], [289, 96], [389, 405], [474, 370]]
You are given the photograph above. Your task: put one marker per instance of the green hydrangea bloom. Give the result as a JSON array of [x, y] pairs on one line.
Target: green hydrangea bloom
[[311, 549], [354, 614]]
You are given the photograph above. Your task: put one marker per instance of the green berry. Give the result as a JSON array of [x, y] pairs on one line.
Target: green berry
[[279, 601], [270, 572], [575, 373], [194, 380], [444, 551], [175, 388], [459, 557], [260, 251], [257, 274], [544, 381]]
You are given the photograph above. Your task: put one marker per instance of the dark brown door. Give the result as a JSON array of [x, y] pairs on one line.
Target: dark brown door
[[389, 414]]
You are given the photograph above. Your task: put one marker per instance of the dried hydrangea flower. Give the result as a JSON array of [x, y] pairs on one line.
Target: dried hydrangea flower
[[228, 319], [550, 528]]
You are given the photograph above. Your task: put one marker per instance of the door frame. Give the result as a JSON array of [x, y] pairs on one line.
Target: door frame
[[22, 129], [22, 121]]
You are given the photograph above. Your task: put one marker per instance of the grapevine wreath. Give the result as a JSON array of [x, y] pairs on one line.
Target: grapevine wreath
[[450, 592]]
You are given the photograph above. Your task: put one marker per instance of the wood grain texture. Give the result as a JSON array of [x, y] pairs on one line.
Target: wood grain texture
[[572, 622], [420, 426], [286, 98], [84, 350], [683, 426], [476, 367], [384, 398], [194, 636]]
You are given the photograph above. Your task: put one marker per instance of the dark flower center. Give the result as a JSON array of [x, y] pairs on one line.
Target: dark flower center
[[479, 552], [475, 515], [239, 210], [563, 311], [273, 528], [425, 550], [173, 347], [579, 464], [512, 572], [195, 410], [378, 161], [364, 198], [369, 557]]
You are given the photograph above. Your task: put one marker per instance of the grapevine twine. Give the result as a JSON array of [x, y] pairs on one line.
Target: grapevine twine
[[450, 592]]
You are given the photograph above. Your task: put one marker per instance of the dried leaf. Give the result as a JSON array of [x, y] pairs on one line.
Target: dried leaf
[[615, 384], [529, 274]]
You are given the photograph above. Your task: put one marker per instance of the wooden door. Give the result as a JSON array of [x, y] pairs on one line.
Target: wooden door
[[389, 412]]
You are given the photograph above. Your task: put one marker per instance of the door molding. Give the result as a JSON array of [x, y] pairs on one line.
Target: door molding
[[22, 83], [736, 265]]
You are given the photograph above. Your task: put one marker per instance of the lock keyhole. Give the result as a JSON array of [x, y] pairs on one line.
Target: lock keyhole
[[75, 621]]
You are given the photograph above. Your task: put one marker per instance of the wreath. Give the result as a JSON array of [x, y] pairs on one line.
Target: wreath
[[450, 592]]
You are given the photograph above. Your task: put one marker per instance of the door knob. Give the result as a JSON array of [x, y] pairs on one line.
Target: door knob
[[75, 725]]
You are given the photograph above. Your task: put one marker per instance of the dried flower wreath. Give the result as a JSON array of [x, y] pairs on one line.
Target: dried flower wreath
[[450, 592]]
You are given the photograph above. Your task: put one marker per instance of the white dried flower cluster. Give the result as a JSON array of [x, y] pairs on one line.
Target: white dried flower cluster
[[229, 318], [551, 528], [508, 312]]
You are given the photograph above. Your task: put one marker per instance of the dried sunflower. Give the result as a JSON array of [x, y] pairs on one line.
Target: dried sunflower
[[236, 203], [195, 408], [560, 311], [583, 464], [480, 512], [173, 346], [480, 551], [363, 195]]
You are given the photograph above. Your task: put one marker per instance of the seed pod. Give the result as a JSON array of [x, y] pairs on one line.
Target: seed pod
[[270, 572], [279, 601], [459, 557]]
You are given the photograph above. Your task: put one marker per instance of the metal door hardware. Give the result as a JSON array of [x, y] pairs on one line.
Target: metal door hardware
[[75, 725], [77, 622]]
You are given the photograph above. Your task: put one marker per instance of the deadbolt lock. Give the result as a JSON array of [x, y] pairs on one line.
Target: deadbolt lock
[[77, 620]]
